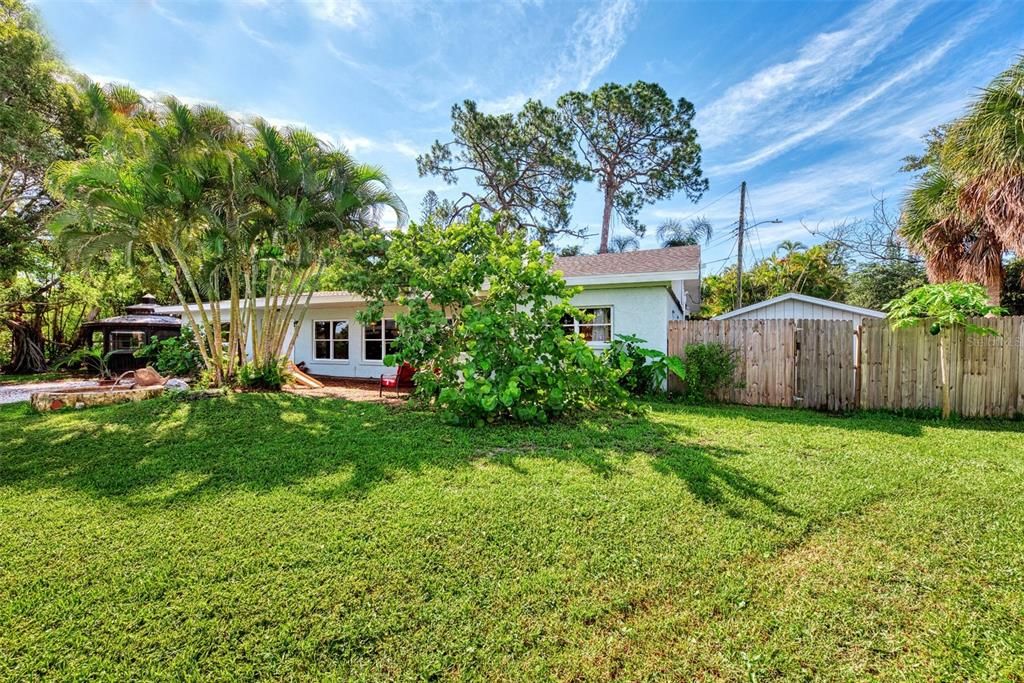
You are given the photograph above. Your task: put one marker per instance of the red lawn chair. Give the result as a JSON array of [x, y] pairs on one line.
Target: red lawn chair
[[400, 380]]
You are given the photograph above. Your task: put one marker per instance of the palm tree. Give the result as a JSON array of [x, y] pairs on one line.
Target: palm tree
[[967, 209], [142, 186], [789, 247], [217, 202], [673, 233], [314, 195], [622, 243]]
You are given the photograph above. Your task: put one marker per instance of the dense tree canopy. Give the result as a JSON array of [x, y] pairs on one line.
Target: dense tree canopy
[[524, 167], [875, 283], [819, 271], [229, 211], [44, 117], [483, 320], [639, 145]]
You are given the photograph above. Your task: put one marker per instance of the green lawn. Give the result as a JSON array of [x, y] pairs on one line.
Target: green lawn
[[281, 537]]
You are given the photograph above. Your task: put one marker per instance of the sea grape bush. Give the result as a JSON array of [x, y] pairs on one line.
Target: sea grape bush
[[482, 321]]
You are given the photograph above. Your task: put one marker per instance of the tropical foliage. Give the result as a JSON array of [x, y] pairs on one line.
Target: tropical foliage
[[174, 357], [483, 321], [967, 209], [620, 244], [642, 371], [229, 211], [819, 271], [43, 118], [875, 283]]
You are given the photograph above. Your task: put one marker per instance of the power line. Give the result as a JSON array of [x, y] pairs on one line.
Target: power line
[[757, 231], [712, 203]]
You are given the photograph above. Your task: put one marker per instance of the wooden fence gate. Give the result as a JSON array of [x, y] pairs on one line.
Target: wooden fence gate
[[829, 365], [805, 363]]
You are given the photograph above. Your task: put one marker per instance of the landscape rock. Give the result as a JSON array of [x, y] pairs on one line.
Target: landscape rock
[[176, 384]]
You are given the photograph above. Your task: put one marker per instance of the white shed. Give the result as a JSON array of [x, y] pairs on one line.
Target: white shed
[[795, 306]]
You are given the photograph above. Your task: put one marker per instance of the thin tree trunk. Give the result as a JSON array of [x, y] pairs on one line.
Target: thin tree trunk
[[197, 329], [292, 300], [304, 310], [606, 219], [216, 357]]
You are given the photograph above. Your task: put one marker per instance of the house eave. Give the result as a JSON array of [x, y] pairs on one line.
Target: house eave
[[591, 281]]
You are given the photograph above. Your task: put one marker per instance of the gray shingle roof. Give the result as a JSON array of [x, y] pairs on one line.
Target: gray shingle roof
[[643, 261]]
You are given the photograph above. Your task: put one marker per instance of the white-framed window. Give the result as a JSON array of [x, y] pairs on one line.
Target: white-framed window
[[379, 339], [330, 339], [126, 341], [597, 330]]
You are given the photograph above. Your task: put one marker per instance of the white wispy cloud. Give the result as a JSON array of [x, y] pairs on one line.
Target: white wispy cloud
[[816, 123], [422, 86], [342, 13], [256, 36], [167, 14], [595, 38], [405, 148], [825, 62]]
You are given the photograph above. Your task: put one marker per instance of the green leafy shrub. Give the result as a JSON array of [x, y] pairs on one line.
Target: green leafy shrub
[[709, 367], [641, 371], [943, 306], [264, 376], [483, 322], [178, 356]]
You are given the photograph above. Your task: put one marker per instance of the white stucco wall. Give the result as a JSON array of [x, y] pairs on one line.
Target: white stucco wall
[[642, 311], [356, 365]]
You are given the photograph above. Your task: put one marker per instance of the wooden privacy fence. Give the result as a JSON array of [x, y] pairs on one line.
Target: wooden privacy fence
[[901, 370], [830, 365]]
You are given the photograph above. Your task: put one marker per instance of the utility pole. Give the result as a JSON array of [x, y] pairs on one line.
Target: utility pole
[[739, 246]]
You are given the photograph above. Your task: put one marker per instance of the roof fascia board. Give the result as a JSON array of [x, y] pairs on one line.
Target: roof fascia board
[[792, 296], [603, 281]]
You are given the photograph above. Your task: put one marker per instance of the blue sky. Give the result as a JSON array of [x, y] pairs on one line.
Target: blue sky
[[812, 103]]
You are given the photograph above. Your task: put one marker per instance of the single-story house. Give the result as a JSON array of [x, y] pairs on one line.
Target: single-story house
[[793, 306], [634, 293]]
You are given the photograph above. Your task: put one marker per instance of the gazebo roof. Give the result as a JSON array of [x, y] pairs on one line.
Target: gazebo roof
[[140, 315], [131, 320]]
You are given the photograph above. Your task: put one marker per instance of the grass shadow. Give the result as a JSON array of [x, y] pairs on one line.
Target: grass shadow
[[166, 452]]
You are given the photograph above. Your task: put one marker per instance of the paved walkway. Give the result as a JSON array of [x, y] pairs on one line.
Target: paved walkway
[[352, 390], [12, 393]]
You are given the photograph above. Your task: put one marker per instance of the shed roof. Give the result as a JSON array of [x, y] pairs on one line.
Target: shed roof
[[793, 296]]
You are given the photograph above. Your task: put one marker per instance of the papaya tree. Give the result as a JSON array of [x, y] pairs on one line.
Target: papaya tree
[[943, 308]]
